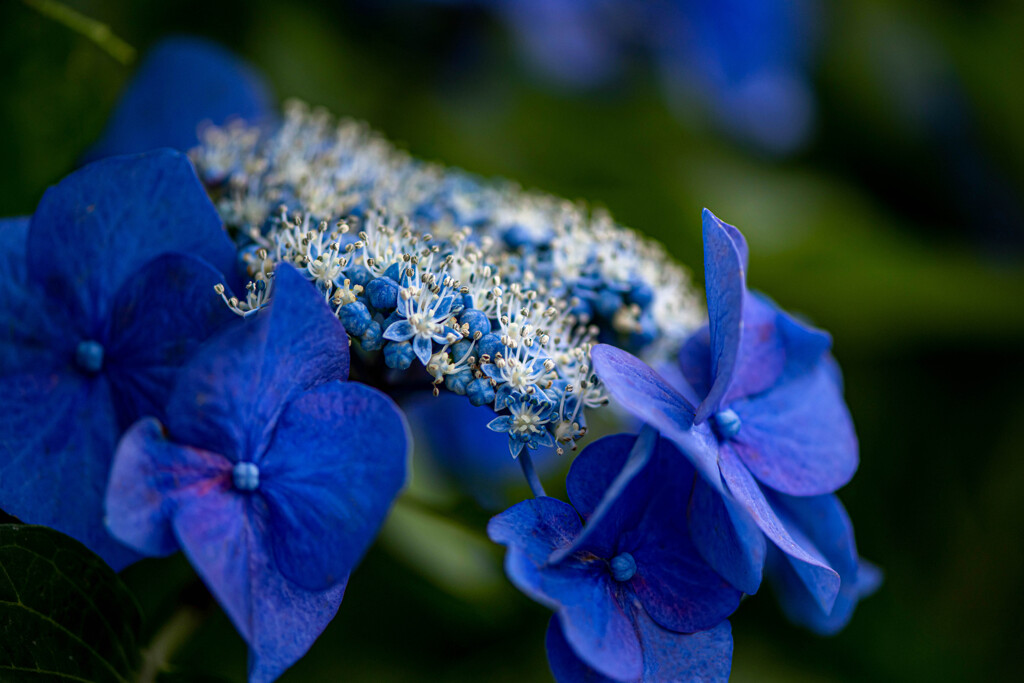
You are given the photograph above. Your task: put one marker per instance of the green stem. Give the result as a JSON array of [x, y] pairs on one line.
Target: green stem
[[171, 636], [95, 31]]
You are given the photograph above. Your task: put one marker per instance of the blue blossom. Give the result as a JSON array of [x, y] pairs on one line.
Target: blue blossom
[[109, 291], [759, 411], [183, 82], [633, 600], [272, 476]]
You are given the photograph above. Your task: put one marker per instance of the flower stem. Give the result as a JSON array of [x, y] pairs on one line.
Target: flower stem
[[171, 636], [526, 462], [95, 31]]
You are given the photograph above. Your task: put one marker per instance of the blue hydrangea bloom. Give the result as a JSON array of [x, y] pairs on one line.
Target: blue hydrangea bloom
[[109, 291], [759, 408], [633, 600], [272, 476], [183, 82]]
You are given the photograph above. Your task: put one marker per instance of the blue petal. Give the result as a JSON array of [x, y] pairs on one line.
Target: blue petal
[[103, 222], [58, 432], [400, 330], [669, 657], [150, 475], [820, 578], [727, 537], [160, 317], [579, 589], [423, 348], [223, 536], [244, 377], [594, 470], [13, 237], [182, 83], [823, 520], [337, 461], [725, 287], [798, 438], [648, 397]]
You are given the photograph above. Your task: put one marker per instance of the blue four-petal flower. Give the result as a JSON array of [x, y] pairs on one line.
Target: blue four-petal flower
[[633, 599], [270, 474], [110, 290], [758, 409]]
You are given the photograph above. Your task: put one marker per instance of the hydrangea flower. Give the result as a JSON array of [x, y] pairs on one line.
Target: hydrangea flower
[[633, 600], [182, 83], [759, 411], [272, 476], [109, 291]]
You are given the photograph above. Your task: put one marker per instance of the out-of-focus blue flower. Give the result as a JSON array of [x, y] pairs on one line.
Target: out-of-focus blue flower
[[769, 416], [633, 599], [183, 82], [109, 291], [744, 64], [454, 435], [272, 476]]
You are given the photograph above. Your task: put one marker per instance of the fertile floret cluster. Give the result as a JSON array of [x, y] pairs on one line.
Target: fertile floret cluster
[[499, 294]]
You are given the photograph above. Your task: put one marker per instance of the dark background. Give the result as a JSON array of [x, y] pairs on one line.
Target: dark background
[[898, 228]]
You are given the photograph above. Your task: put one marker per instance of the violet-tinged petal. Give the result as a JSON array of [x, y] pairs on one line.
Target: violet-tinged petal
[[181, 83], [101, 223], [294, 346], [725, 285], [727, 537], [223, 536], [821, 580], [13, 238], [648, 397], [798, 438], [337, 460], [578, 589], [594, 470], [695, 362], [59, 433], [824, 521], [669, 657], [148, 478], [565, 665], [160, 316], [763, 353]]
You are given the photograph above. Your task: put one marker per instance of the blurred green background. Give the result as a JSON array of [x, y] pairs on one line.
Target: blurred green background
[[873, 230]]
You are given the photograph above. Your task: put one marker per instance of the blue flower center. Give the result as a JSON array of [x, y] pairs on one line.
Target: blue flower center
[[728, 423], [89, 356], [623, 567], [246, 476]]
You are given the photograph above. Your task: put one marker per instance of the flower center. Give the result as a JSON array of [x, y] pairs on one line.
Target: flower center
[[89, 356], [246, 476], [623, 567], [728, 423]]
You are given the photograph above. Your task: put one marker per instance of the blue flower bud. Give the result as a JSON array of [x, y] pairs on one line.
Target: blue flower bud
[[373, 338], [642, 294], [89, 356], [394, 271], [246, 476], [398, 355], [477, 322], [355, 317], [458, 381], [607, 303], [490, 344], [383, 293], [623, 567], [480, 392], [728, 423], [359, 275]]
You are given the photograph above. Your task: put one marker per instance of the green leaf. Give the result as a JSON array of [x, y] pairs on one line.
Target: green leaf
[[64, 614]]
